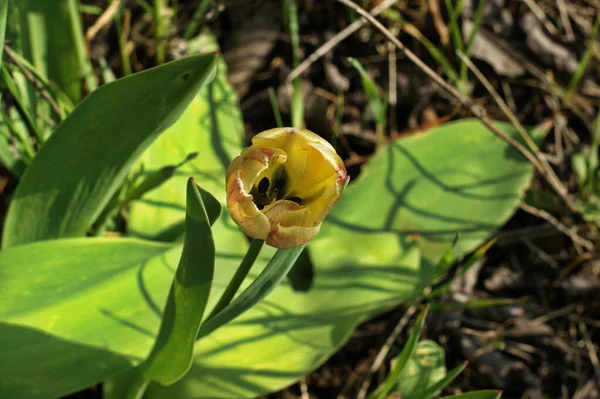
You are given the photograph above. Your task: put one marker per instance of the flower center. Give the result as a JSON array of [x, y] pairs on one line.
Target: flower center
[[268, 191]]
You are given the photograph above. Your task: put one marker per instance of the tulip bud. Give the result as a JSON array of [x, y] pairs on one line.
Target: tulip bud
[[281, 187]]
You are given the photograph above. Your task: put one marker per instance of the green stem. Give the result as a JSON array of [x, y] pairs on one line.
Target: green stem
[[160, 21], [138, 385], [238, 277]]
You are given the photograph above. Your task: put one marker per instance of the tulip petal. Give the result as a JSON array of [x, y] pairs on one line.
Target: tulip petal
[[241, 175], [244, 212], [297, 178], [291, 224]]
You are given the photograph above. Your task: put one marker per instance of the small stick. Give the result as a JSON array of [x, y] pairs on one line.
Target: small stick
[[338, 38], [103, 20], [479, 112], [385, 349], [564, 17], [591, 349], [559, 226], [549, 172], [539, 14], [304, 388]]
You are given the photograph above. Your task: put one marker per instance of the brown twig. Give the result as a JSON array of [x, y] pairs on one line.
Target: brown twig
[[477, 111], [103, 20], [385, 349], [44, 93], [548, 172], [338, 38], [559, 226]]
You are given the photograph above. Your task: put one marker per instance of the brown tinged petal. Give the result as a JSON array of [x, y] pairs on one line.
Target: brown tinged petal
[[282, 187]]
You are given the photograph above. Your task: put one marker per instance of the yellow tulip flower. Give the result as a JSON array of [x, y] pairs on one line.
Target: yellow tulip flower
[[281, 187]]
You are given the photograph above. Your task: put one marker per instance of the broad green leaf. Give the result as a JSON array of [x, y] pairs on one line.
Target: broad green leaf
[[424, 370], [402, 359], [211, 126], [82, 165], [75, 320], [377, 103], [67, 322], [455, 178], [476, 395], [371, 268], [290, 333], [172, 353]]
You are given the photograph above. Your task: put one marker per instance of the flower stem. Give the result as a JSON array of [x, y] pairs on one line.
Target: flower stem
[[238, 277]]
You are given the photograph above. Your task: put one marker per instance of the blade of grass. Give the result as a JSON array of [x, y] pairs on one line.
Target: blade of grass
[[21, 136], [20, 105], [454, 12], [89, 9], [275, 107], [593, 155], [433, 51], [197, 17], [411, 343], [413, 31], [584, 62], [49, 91], [377, 103], [464, 70]]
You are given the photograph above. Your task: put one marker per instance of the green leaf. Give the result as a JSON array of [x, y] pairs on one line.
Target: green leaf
[[580, 168], [52, 39], [82, 165], [476, 395], [67, 322], [466, 264], [151, 181], [3, 15], [446, 260], [455, 178], [424, 370], [403, 359], [212, 126], [434, 389], [377, 104], [171, 356], [371, 268]]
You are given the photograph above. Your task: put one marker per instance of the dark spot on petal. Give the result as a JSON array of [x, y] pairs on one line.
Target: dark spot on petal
[[297, 200], [263, 185]]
